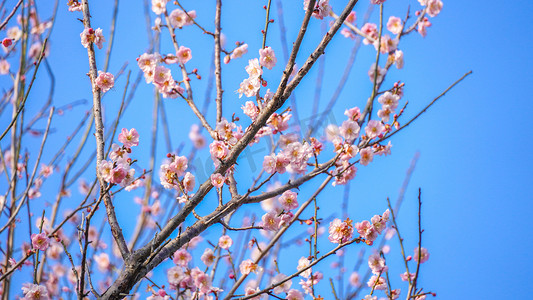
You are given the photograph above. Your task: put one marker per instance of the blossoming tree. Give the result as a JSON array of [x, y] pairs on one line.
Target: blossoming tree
[[203, 236]]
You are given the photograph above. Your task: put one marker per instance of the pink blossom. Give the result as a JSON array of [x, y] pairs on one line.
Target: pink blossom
[[182, 257], [405, 278], [179, 164], [249, 87], [374, 128], [189, 182], [398, 59], [253, 68], [218, 150], [370, 30], [354, 279], [129, 138], [321, 10], [424, 255], [102, 262], [366, 230], [251, 110], [339, 231], [90, 35], [248, 266], [378, 283], [352, 17], [377, 1], [288, 200], [40, 241], [271, 221], [434, 7], [117, 174], [282, 288], [74, 5], [267, 57], [380, 74], [295, 295], [387, 44], [377, 264], [349, 130], [367, 155], [208, 258], [35, 292], [422, 27], [303, 262], [178, 18], [159, 6], [250, 291], [175, 275], [184, 54], [4, 67], [225, 242], [217, 180], [385, 112], [239, 51], [389, 99], [394, 25], [148, 62], [347, 33]]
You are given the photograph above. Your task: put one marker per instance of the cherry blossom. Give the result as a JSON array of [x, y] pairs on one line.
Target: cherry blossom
[[184, 54], [225, 242], [40, 241], [129, 138], [424, 255], [340, 231], [394, 25]]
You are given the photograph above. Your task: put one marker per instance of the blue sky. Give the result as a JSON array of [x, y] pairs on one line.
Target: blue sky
[[474, 169]]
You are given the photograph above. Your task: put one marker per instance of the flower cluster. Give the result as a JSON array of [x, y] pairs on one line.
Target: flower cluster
[[370, 230], [179, 18], [90, 35], [321, 10], [118, 170], [171, 171], [292, 158], [160, 75], [340, 231], [250, 86], [105, 81]]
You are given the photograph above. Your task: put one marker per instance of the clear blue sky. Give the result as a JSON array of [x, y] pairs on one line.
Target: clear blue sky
[[474, 168]]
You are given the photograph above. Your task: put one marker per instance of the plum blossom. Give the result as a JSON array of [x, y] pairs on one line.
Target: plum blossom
[[288, 200], [251, 110], [249, 87], [129, 138], [367, 155], [389, 99], [282, 288], [254, 68], [267, 58], [370, 30], [182, 257], [366, 230], [184, 54], [388, 44], [90, 35], [102, 261], [398, 59], [377, 264], [248, 266], [349, 130], [433, 7], [218, 150], [159, 6], [303, 262], [354, 279], [178, 18], [295, 295], [380, 73], [321, 10], [225, 242], [105, 81], [239, 51], [208, 258], [377, 1], [35, 292], [374, 128], [217, 180], [340, 231], [4, 67], [424, 255], [189, 182], [40, 241], [347, 33], [394, 25], [378, 282], [271, 221]]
